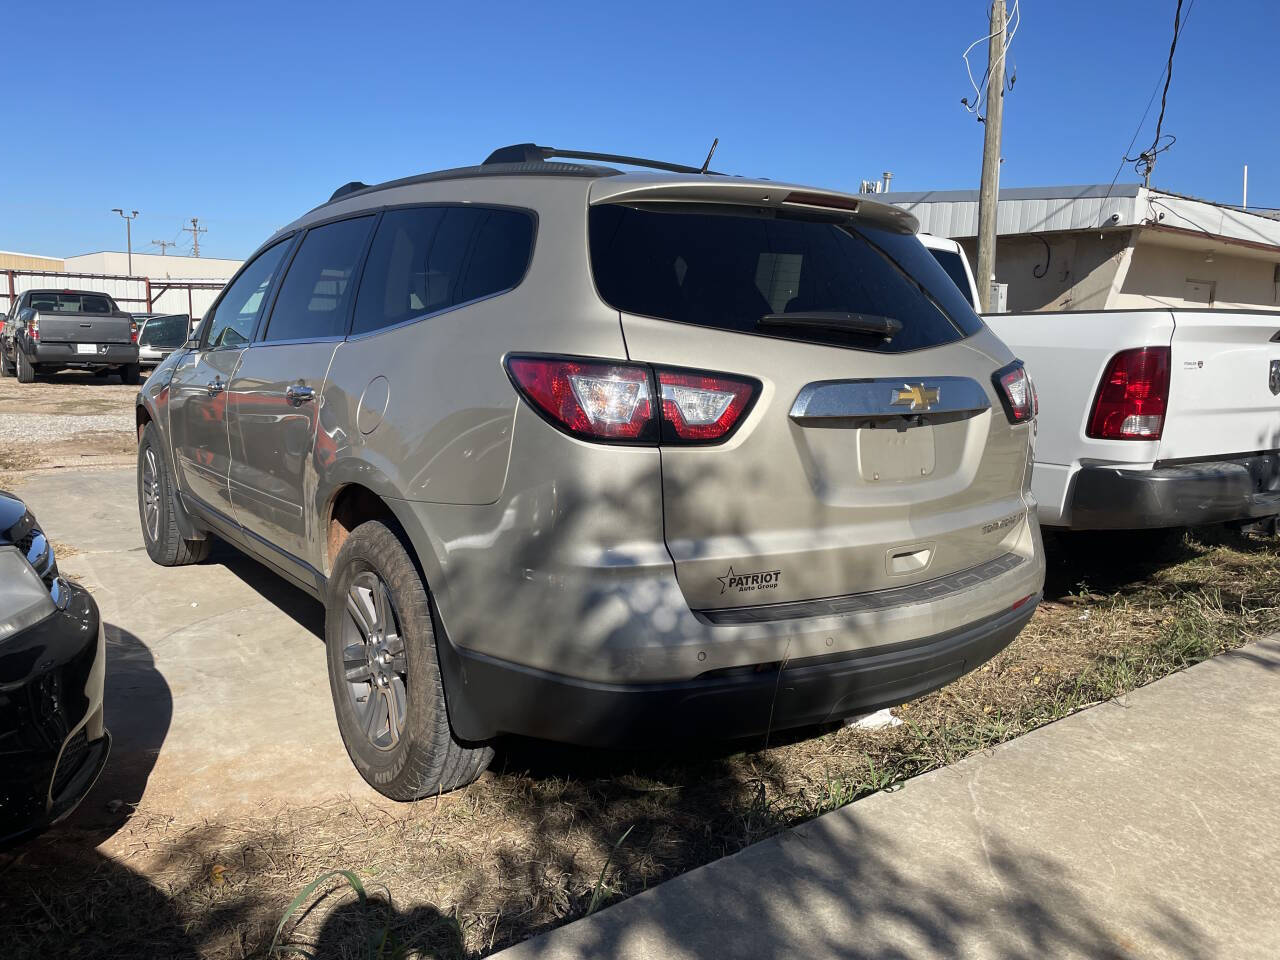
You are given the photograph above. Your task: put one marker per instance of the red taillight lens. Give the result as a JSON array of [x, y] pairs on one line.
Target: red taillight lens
[[133, 331], [1132, 397], [1017, 395], [33, 328], [701, 407], [596, 401], [600, 400]]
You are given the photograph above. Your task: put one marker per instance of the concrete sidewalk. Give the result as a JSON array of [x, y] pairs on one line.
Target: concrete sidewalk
[[217, 688], [1138, 829]]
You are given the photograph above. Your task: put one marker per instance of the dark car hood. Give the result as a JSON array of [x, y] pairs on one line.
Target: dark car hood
[[15, 521]]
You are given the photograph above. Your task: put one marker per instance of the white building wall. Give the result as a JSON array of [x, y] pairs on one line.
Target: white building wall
[[153, 265]]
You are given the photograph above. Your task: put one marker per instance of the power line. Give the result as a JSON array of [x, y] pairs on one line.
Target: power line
[[1146, 161], [1150, 100], [1012, 22]]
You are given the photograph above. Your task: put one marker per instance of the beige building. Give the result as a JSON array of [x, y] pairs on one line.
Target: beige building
[[29, 261], [1096, 248]]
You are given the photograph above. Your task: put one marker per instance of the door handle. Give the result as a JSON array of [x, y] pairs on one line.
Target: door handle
[[216, 386], [297, 393]]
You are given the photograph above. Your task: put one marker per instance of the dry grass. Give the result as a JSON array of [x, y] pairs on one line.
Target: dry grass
[[550, 830]]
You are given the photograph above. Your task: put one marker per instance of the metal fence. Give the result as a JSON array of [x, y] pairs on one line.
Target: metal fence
[[134, 294]]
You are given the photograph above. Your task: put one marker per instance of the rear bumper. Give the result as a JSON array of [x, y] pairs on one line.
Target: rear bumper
[[490, 696], [64, 354], [1181, 495], [51, 717]]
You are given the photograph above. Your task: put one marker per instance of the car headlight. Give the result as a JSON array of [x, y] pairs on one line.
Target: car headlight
[[24, 599]]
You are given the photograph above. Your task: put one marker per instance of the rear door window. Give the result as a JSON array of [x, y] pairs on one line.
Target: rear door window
[[316, 292], [427, 259], [728, 267]]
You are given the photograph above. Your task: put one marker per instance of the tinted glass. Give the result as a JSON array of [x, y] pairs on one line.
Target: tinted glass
[[950, 262], [72, 303], [431, 258], [237, 311], [165, 332], [316, 291], [728, 267]]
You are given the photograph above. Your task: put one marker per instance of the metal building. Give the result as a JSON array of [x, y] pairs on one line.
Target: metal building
[[1098, 247]]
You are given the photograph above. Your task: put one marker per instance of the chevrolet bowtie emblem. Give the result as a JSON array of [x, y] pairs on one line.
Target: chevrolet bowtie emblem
[[916, 396]]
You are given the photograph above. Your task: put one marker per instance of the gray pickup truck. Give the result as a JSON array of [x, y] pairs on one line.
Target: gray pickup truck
[[51, 330]]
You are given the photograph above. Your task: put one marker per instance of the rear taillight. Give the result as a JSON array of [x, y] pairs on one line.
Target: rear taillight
[[1017, 395], [596, 401], [1132, 397], [615, 402], [133, 331], [33, 328], [701, 407]]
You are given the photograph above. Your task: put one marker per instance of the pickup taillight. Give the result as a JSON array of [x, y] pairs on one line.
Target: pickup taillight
[[33, 328], [1132, 397]]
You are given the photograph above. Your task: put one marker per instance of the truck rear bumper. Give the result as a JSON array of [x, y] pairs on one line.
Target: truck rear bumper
[[66, 355], [1177, 495]]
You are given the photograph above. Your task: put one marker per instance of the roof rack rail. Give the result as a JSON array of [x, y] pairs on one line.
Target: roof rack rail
[[532, 153]]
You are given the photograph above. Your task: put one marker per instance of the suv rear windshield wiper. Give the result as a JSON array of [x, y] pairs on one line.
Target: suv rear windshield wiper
[[868, 323]]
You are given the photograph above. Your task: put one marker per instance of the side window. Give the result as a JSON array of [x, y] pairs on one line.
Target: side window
[[430, 258], [317, 289], [237, 311]]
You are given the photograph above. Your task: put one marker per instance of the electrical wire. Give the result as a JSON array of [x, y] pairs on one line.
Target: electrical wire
[[1145, 162], [1012, 21], [1150, 100]]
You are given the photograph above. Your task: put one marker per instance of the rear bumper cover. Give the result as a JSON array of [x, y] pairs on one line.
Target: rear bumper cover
[[489, 696], [53, 743], [1178, 495], [64, 354]]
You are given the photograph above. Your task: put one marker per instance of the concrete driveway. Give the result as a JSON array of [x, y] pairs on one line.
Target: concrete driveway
[[217, 691]]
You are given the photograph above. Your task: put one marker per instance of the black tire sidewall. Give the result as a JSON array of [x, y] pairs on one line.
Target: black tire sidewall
[[396, 772], [159, 550]]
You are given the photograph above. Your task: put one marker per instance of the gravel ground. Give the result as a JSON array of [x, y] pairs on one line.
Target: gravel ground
[[46, 427]]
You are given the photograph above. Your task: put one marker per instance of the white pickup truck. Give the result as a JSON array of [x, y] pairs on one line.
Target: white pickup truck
[[1148, 418]]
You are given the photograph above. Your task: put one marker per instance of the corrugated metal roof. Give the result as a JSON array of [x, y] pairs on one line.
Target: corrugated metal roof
[[954, 213]]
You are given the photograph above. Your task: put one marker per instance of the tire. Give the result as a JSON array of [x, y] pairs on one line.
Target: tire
[[419, 756], [157, 508], [131, 374], [26, 372]]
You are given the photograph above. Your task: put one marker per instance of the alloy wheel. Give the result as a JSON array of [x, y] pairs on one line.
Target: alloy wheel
[[151, 494], [374, 663]]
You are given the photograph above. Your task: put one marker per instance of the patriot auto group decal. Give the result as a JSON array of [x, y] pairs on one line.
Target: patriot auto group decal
[[747, 582]]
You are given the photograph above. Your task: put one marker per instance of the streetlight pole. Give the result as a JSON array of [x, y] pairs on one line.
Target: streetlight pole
[[128, 233]]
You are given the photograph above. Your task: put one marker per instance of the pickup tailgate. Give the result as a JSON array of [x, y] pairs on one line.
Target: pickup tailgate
[[1224, 385], [85, 328]]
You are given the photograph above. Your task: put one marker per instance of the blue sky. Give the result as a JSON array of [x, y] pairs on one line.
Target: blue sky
[[247, 115]]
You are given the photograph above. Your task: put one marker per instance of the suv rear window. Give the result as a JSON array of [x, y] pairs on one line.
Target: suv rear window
[[165, 332], [726, 267]]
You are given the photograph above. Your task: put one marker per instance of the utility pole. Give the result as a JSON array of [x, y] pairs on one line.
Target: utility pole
[[163, 245], [989, 193], [195, 230], [128, 233]]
